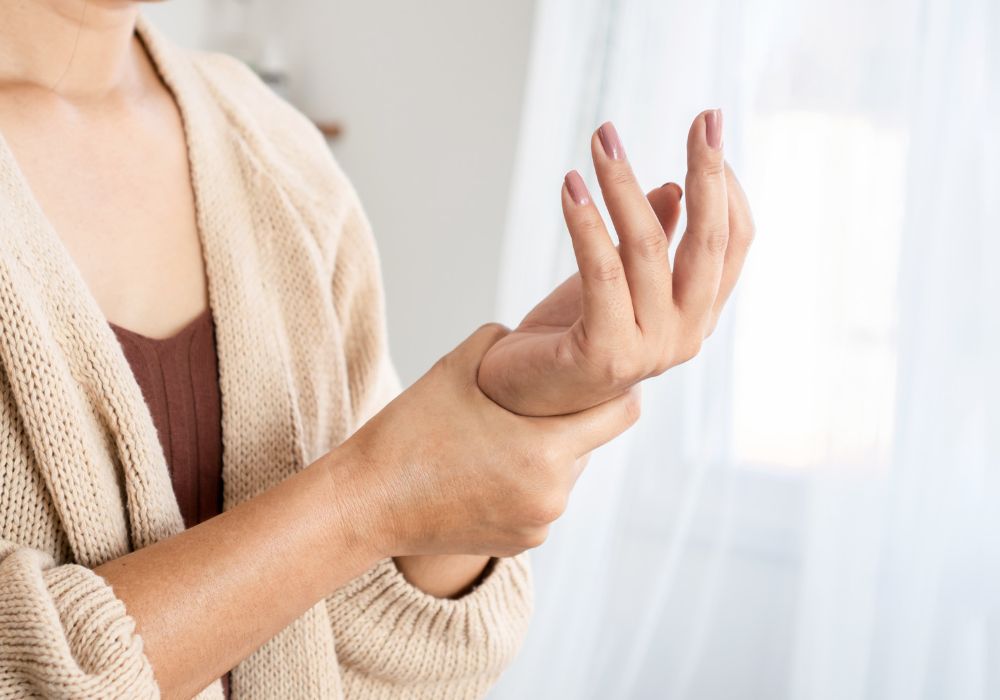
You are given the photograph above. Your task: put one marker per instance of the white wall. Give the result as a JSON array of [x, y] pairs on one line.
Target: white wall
[[430, 96], [183, 20]]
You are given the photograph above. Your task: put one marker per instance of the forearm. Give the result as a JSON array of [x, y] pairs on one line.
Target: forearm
[[208, 597], [445, 575]]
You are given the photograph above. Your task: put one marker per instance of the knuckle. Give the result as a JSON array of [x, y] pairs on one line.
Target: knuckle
[[652, 245], [618, 370], [607, 268], [712, 323], [588, 222], [632, 408], [712, 169], [621, 176], [691, 348], [665, 362], [535, 537], [493, 328], [566, 353], [715, 239], [547, 509], [695, 349]]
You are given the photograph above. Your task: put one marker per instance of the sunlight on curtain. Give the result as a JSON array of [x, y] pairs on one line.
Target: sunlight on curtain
[[809, 509], [823, 291]]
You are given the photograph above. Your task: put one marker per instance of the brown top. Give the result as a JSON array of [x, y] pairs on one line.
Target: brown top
[[180, 382], [179, 379]]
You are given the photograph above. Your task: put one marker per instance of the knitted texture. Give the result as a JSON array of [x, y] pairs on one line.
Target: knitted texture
[[295, 289]]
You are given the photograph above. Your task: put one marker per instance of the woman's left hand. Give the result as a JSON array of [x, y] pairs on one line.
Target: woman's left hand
[[625, 315]]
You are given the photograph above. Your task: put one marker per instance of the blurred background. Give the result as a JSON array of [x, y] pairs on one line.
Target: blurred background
[[810, 508], [428, 97]]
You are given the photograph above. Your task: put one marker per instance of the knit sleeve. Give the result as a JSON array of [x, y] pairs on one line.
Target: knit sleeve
[[64, 634], [394, 640]]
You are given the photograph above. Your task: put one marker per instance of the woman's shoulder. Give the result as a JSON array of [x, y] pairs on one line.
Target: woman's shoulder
[[272, 128], [284, 142], [248, 100], [287, 151], [279, 150]]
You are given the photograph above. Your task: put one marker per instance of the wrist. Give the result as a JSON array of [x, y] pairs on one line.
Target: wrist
[[358, 511]]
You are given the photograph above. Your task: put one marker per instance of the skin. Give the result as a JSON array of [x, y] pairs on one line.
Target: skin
[[103, 111], [101, 143], [626, 316], [420, 493], [105, 156]]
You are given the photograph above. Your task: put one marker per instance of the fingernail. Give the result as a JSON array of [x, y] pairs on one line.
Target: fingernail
[[674, 186], [577, 190], [713, 128], [609, 139]]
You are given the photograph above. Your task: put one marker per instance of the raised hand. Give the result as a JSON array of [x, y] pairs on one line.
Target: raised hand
[[626, 316]]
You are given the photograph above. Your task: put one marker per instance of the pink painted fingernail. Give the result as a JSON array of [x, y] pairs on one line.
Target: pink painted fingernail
[[609, 139], [577, 190], [713, 129]]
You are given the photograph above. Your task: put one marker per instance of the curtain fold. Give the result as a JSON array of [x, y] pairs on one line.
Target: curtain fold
[[809, 509]]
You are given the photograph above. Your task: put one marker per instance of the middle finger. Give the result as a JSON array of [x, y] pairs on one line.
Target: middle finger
[[643, 246]]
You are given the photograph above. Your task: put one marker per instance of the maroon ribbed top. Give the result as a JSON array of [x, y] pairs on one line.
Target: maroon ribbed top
[[179, 378]]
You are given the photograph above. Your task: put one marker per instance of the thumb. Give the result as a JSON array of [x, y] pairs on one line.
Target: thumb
[[589, 429], [467, 356]]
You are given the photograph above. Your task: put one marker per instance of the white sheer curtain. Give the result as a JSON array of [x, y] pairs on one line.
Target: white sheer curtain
[[808, 509]]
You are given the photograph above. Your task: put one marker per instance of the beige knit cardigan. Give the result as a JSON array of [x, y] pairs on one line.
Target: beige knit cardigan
[[295, 288]]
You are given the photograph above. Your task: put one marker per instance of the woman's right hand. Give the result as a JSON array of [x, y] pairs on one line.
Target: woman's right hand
[[444, 470], [441, 470]]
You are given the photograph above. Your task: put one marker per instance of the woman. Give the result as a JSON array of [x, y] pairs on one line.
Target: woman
[[184, 268]]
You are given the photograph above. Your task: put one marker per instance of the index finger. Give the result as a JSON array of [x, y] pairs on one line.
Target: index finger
[[606, 305]]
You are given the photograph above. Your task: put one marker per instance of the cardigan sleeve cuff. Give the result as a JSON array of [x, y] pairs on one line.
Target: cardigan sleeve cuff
[[395, 634], [66, 634]]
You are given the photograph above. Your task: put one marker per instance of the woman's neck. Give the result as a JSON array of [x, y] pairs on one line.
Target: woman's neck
[[80, 49]]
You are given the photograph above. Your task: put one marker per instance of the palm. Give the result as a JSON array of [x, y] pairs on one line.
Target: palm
[[546, 344], [535, 347], [545, 329]]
